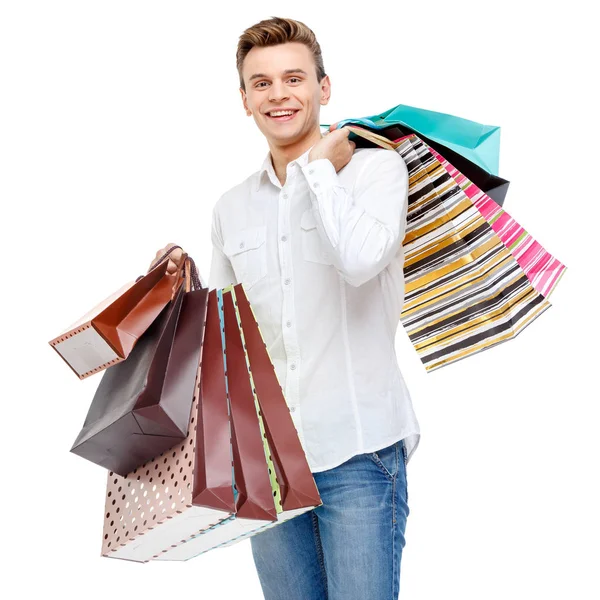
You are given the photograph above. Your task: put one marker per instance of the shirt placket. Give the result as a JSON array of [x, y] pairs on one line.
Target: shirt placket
[[288, 317]]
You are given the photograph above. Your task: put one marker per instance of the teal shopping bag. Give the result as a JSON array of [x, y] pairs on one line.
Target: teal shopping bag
[[476, 142]]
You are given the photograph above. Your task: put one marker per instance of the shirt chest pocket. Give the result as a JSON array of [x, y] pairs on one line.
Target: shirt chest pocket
[[247, 252], [313, 248]]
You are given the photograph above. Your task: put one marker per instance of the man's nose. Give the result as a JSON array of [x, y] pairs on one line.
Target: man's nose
[[278, 92]]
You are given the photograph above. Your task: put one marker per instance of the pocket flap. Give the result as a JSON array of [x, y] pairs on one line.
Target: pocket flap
[[307, 221], [246, 239]]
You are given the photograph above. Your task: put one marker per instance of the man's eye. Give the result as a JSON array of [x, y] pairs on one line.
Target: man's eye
[[259, 83]]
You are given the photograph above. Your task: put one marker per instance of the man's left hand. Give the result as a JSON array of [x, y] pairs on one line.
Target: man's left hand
[[334, 146]]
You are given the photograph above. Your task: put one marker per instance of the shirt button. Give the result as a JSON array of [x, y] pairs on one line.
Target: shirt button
[[242, 245], [285, 196], [311, 171], [289, 323], [293, 366], [284, 238], [316, 184], [292, 409], [287, 281]]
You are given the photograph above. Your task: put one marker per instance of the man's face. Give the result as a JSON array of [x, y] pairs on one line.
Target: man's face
[[275, 88]]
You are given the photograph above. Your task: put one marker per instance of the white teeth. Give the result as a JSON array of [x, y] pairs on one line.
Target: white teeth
[[281, 113]]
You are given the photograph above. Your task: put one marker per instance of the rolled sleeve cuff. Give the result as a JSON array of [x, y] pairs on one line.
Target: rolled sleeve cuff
[[320, 175]]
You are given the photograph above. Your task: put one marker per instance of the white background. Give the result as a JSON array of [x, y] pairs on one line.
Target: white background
[[122, 124]]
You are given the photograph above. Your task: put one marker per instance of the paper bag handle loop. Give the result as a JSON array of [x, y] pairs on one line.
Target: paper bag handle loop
[[190, 271]]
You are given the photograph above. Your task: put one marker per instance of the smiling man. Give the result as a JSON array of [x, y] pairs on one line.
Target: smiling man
[[315, 235]]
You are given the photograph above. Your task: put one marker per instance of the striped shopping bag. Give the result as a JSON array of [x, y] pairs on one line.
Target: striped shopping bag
[[474, 277], [542, 269]]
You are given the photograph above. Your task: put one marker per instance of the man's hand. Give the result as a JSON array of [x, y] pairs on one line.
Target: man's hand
[[175, 258], [335, 146]]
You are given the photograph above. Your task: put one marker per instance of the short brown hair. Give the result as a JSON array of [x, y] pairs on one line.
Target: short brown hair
[[273, 31]]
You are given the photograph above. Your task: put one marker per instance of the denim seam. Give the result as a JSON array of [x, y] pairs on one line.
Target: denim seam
[[405, 473], [394, 525], [395, 479], [375, 457], [319, 551]]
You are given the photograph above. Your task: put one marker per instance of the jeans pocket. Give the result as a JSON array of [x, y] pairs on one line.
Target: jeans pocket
[[387, 459]]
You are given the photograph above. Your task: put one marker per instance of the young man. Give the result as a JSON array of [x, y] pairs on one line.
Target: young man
[[316, 238]]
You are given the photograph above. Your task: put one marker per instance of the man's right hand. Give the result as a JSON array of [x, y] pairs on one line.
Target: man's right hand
[[174, 258]]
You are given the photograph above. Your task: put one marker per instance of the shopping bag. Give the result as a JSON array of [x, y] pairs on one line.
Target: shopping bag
[[542, 269], [188, 508], [493, 185], [464, 289], [295, 481], [108, 333], [228, 377], [477, 142], [142, 405]]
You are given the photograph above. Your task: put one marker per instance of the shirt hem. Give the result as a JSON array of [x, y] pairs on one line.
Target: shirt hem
[[369, 449]]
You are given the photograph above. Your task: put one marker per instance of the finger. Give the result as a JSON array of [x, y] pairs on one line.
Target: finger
[[171, 267], [174, 258], [333, 126], [175, 255]]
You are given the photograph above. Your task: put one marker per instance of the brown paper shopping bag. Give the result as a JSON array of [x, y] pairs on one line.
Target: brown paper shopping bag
[[108, 333]]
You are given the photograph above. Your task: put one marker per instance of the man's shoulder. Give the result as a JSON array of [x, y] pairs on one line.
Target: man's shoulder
[[365, 160], [375, 154], [366, 153], [237, 193]]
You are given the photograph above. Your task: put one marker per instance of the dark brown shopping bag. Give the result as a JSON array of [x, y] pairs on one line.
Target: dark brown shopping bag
[[213, 475], [296, 482], [142, 405], [252, 461], [108, 333]]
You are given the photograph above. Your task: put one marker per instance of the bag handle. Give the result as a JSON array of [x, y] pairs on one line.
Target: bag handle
[[179, 276], [187, 275], [190, 271], [372, 137]]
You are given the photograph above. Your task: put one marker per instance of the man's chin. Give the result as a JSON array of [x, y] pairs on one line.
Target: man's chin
[[283, 137]]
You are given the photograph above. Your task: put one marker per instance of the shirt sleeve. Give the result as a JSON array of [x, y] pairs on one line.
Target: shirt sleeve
[[362, 228], [221, 271]]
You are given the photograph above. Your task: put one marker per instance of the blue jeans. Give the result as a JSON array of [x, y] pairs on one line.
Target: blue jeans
[[350, 547]]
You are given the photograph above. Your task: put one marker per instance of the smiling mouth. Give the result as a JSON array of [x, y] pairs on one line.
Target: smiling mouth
[[283, 118]]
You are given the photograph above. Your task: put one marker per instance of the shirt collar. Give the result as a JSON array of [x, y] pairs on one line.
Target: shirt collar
[[268, 170]]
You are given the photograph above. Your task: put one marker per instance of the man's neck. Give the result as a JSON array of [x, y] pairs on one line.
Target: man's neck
[[282, 156]]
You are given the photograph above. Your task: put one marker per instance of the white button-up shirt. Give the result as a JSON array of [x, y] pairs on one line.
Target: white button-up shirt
[[321, 260]]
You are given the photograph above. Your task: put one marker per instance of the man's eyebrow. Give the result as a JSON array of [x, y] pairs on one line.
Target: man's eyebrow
[[286, 72]]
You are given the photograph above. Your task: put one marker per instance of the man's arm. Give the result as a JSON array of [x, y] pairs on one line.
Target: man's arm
[[363, 229], [221, 271]]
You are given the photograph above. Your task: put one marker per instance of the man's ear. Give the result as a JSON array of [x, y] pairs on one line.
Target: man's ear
[[325, 90], [245, 103]]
